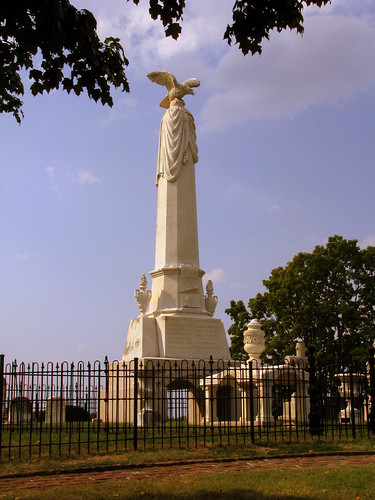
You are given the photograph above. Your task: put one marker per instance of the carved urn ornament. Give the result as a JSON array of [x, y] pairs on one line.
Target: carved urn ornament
[[253, 339], [143, 295], [210, 299]]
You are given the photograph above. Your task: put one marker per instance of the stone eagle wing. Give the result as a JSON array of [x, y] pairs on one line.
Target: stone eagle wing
[[192, 82], [163, 78]]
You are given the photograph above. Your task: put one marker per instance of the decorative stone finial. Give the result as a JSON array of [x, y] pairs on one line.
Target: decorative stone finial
[[253, 339], [210, 299], [143, 295], [300, 357], [301, 350]]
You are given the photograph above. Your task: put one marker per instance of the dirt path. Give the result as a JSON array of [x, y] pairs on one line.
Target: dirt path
[[33, 481]]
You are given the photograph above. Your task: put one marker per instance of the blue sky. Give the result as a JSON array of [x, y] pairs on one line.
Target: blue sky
[[286, 159]]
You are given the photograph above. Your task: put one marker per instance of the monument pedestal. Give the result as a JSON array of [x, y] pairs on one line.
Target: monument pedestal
[[178, 335], [142, 340]]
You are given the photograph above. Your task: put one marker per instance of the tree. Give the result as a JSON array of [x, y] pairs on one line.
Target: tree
[[47, 38], [325, 298], [240, 317], [253, 20]]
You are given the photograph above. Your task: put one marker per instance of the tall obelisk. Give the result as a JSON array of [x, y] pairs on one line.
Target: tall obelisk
[[179, 322]]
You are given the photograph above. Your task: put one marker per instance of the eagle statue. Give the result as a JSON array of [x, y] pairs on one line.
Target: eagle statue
[[175, 90]]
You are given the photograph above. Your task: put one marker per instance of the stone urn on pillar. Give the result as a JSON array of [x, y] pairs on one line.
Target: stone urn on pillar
[[210, 299], [253, 339], [143, 295]]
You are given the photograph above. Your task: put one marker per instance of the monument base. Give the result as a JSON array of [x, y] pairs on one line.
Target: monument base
[[142, 340], [178, 335]]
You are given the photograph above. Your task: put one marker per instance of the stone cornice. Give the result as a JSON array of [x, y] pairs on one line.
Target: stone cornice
[[172, 270]]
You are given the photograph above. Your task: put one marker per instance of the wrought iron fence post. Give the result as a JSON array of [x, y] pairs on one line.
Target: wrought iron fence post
[[314, 415], [135, 415], [211, 363], [2, 399], [371, 363], [106, 397], [251, 391]]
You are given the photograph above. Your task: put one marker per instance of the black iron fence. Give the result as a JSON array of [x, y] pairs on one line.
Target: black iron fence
[[74, 409]]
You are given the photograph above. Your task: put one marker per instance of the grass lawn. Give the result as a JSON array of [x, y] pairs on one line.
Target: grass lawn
[[177, 454], [345, 482]]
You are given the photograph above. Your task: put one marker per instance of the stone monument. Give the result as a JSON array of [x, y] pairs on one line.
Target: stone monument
[[179, 323]]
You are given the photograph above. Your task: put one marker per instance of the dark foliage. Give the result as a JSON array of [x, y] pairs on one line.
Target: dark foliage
[[57, 45]]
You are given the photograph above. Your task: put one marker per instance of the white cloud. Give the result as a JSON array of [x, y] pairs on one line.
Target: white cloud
[[274, 208], [216, 275], [50, 170], [349, 7], [58, 178], [147, 47], [332, 62], [23, 256], [86, 178], [54, 177], [369, 241], [144, 38]]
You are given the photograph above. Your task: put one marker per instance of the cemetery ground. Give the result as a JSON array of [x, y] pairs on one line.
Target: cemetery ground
[[330, 469]]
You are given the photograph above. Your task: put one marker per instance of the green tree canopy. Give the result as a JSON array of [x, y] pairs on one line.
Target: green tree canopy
[[325, 298], [58, 45]]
